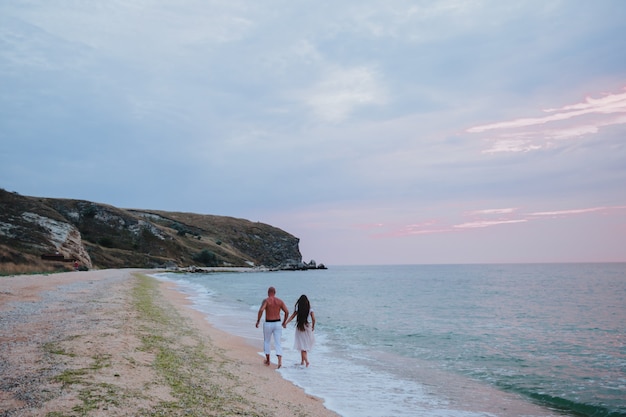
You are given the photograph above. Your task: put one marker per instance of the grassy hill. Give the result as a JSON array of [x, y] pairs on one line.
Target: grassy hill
[[102, 236]]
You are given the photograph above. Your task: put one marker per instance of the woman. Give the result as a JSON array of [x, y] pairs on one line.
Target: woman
[[304, 339]]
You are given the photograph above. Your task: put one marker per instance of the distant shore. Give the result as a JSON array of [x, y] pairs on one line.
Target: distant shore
[[109, 342]]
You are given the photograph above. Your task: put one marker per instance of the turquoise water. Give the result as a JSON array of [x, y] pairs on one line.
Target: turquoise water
[[445, 340]]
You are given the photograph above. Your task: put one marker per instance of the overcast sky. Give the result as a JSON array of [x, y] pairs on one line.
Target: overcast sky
[[377, 132]]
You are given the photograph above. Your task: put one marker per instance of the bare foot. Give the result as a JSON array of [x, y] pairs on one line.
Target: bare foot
[[266, 362]]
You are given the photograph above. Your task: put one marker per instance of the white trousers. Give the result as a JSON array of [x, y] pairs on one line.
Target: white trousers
[[272, 329]]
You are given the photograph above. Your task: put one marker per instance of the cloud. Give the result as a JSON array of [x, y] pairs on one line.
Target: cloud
[[492, 211], [561, 213], [485, 219], [481, 222], [368, 226], [117, 27], [486, 223], [343, 90], [611, 103], [567, 122], [412, 230], [431, 226], [607, 104]]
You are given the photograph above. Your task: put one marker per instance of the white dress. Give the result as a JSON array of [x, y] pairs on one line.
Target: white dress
[[305, 339]]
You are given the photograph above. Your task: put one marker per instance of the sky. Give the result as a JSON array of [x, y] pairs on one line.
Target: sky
[[377, 132]]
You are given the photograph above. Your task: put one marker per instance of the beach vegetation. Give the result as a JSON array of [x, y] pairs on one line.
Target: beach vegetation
[[107, 242], [206, 258], [89, 212], [71, 376], [201, 386], [98, 397], [55, 349]]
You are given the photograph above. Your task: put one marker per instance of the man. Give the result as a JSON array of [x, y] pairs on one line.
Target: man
[[272, 327]]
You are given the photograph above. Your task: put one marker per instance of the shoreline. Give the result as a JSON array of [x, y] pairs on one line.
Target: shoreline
[[78, 343], [270, 384]]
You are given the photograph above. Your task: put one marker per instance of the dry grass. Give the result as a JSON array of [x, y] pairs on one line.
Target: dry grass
[[12, 264]]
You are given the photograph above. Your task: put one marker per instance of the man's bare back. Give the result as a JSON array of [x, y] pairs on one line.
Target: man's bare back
[[273, 306]]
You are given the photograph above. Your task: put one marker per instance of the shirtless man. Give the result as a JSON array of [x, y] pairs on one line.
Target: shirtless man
[[272, 306]]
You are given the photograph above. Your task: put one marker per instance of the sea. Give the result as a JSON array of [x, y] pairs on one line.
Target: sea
[[442, 340]]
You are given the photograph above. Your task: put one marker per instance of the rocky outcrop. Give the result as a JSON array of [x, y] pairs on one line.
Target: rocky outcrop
[[65, 238], [103, 236]]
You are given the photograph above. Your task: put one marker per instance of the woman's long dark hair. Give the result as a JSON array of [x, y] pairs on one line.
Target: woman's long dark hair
[[303, 307]]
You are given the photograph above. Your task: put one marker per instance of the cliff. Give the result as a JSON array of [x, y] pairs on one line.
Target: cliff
[[103, 236]]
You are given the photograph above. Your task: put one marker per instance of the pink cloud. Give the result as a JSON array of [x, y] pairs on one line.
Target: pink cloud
[[576, 211], [411, 231], [422, 228], [491, 211], [612, 103], [512, 145], [607, 102], [567, 122], [435, 227], [368, 226], [486, 223]]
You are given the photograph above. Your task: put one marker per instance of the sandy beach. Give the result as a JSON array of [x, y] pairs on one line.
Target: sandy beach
[[119, 343]]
